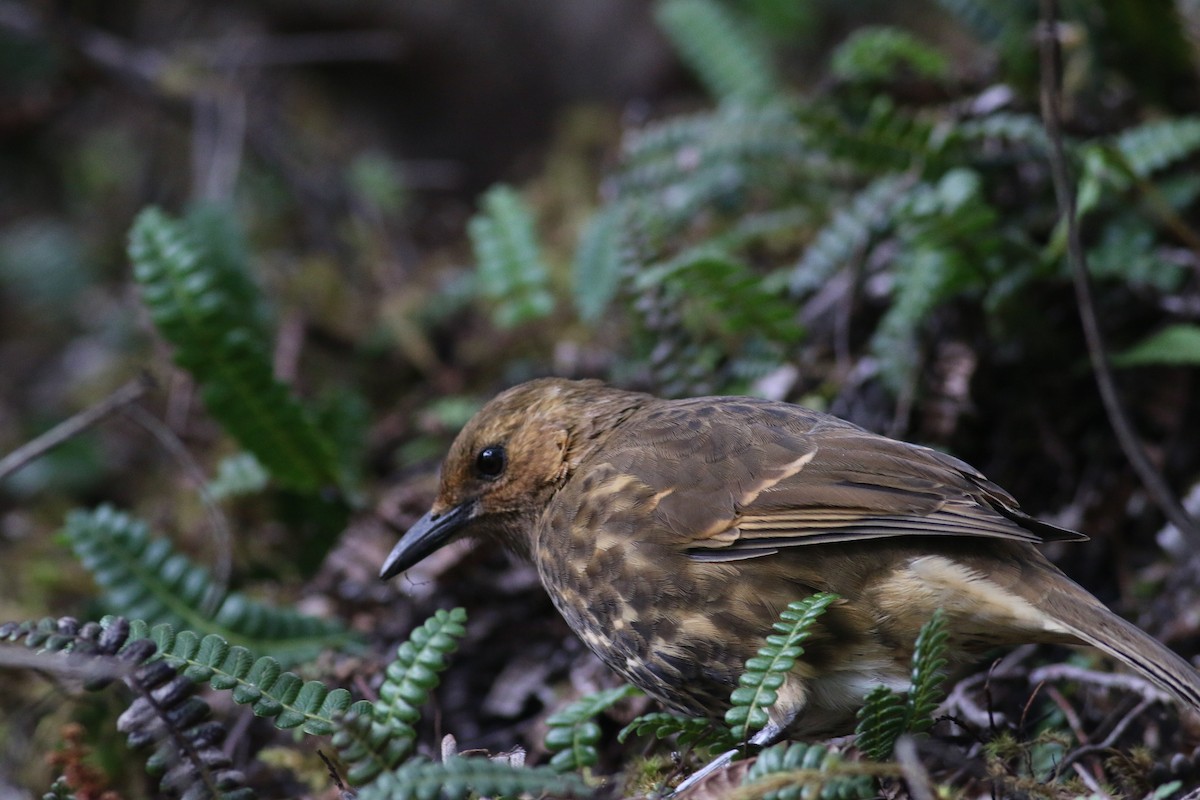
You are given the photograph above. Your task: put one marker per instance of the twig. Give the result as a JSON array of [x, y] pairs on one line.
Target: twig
[[1051, 103], [1107, 680], [1117, 731], [222, 538], [73, 426], [91, 668], [913, 770]]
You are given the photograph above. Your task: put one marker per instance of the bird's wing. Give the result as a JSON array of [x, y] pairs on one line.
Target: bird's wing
[[733, 479]]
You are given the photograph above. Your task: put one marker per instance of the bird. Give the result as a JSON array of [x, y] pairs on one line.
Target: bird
[[671, 534]]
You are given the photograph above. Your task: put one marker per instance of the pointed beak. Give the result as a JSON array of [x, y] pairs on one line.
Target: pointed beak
[[426, 536]]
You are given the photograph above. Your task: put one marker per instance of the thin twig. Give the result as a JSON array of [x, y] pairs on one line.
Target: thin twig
[[1051, 103], [913, 770], [1105, 680], [222, 537], [1117, 731], [128, 394]]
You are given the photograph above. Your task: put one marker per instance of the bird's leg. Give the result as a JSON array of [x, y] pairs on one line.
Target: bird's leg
[[769, 735]]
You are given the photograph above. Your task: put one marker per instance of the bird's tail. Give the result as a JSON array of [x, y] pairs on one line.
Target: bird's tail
[[1091, 622]]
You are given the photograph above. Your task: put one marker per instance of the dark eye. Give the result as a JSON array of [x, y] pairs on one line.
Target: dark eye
[[491, 461]]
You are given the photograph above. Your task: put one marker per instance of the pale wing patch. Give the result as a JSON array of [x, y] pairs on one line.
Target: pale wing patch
[[783, 473], [710, 544]]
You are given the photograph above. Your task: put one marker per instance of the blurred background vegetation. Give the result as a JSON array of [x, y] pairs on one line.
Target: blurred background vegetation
[[366, 218]]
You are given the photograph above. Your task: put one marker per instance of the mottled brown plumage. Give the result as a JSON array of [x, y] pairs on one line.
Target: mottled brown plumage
[[670, 535]]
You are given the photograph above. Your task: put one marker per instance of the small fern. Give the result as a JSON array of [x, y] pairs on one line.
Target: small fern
[[848, 233], [471, 777], [596, 270], [239, 474], [886, 715], [259, 682], [765, 673], [509, 264], [166, 712], [377, 739], [826, 781], [720, 49], [876, 54], [573, 732], [697, 732], [202, 304], [144, 578]]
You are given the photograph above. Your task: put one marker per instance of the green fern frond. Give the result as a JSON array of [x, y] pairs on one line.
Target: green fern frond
[[144, 578], [165, 713], [948, 239], [374, 739], [848, 232], [881, 53], [730, 61], [511, 271], [881, 721], [827, 781], [886, 715], [573, 732], [921, 278], [765, 673], [720, 295], [886, 138], [1153, 146], [259, 682], [690, 731], [1026, 130], [239, 474], [365, 747], [459, 778], [928, 661], [416, 669], [197, 304], [596, 269]]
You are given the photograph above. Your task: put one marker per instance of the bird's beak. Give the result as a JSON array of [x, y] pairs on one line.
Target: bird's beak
[[425, 537]]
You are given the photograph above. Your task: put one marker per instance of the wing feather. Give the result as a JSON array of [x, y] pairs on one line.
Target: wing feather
[[757, 477]]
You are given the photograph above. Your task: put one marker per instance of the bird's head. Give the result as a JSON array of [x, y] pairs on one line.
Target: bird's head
[[506, 464]]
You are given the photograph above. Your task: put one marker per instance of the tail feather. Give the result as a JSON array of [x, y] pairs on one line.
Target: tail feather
[[1089, 621]]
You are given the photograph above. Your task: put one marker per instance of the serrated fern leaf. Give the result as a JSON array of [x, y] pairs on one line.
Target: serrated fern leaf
[[764, 674], [728, 59], [690, 731], [880, 53], [848, 233], [366, 747], [573, 732], [881, 721], [144, 578], [165, 713], [1155, 145], [885, 139], [825, 782], [378, 738], [596, 270], [887, 715], [464, 777], [197, 306], [239, 474], [511, 271], [928, 661], [260, 682]]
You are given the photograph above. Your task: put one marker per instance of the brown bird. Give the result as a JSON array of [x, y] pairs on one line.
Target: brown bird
[[672, 533]]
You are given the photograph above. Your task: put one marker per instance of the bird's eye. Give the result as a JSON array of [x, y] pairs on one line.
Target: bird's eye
[[491, 461]]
